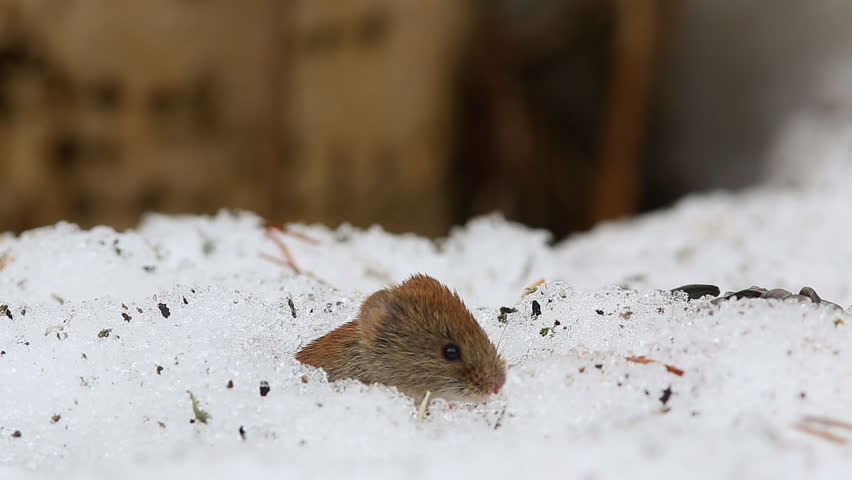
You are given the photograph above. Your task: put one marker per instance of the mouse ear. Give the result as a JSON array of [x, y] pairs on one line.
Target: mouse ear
[[378, 313]]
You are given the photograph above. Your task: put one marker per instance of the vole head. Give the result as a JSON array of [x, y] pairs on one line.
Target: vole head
[[420, 337]]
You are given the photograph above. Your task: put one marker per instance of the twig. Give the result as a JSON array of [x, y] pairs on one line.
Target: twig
[[421, 412]]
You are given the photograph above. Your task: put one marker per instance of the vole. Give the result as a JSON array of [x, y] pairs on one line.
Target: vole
[[417, 336]]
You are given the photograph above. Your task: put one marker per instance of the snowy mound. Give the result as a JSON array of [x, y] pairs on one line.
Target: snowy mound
[[168, 351]]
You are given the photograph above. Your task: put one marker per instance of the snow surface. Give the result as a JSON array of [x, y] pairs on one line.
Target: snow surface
[[94, 378]]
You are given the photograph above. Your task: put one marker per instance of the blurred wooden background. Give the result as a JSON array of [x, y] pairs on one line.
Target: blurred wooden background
[[412, 114]]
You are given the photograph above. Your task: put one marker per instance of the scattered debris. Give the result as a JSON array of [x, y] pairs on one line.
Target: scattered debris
[[504, 311], [544, 331], [533, 287], [826, 428], [536, 309], [126, 317], [422, 411], [642, 359], [4, 310], [164, 310], [200, 415], [667, 394], [697, 290], [499, 422], [104, 333], [270, 231]]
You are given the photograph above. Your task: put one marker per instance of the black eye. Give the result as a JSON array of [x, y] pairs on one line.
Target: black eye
[[452, 353]]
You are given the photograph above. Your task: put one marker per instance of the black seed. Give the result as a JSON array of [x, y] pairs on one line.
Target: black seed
[[810, 293], [751, 292], [264, 388], [164, 310], [599, 311], [599, 366], [800, 298], [536, 308], [697, 290], [185, 302], [778, 293], [230, 384], [667, 393]]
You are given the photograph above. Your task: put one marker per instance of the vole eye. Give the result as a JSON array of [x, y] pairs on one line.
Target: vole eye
[[452, 352]]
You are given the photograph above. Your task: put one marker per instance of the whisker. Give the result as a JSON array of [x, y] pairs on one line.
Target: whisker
[[500, 341]]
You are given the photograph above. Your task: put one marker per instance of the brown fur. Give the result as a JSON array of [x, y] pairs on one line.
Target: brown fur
[[399, 337]]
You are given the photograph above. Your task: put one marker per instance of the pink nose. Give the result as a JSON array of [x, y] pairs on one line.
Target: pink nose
[[499, 381]]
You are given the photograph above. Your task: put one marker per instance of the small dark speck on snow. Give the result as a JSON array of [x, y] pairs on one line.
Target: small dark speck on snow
[[242, 432], [264, 388], [230, 384], [159, 369], [599, 366], [185, 302], [667, 393], [536, 308], [599, 311], [104, 333], [4, 310], [504, 311], [292, 307], [16, 434], [149, 268], [126, 317], [164, 310]]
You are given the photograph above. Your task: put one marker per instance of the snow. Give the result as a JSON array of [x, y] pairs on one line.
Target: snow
[[106, 333]]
